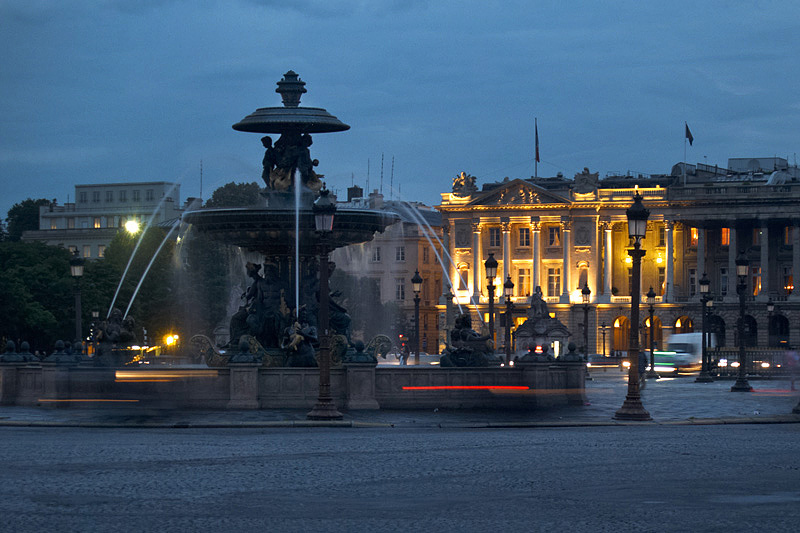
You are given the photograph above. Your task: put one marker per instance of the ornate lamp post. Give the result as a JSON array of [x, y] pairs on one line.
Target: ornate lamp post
[[651, 302], [508, 292], [324, 210], [76, 263], [770, 309], [603, 329], [632, 408], [416, 284], [705, 299], [742, 266], [585, 294], [491, 271], [95, 319]]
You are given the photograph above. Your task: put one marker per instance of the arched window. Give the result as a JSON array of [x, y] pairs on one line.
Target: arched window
[[657, 335], [463, 276], [622, 334], [683, 324]]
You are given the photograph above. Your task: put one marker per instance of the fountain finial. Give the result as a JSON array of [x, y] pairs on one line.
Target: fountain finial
[[290, 88]]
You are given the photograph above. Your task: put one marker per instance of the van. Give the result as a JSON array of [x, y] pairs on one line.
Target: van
[[684, 353]]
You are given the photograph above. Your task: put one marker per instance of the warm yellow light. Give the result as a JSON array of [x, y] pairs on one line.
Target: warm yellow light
[[659, 259], [132, 226], [678, 323], [628, 260], [169, 340]]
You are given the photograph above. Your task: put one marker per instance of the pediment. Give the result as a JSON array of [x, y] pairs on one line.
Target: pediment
[[517, 192]]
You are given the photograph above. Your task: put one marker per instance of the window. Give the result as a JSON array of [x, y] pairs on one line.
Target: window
[[95, 197], [148, 195], [725, 237], [53, 224], [756, 236], [693, 236], [692, 281], [96, 222], [399, 289], [400, 253], [463, 275], [109, 196], [524, 237], [101, 250], [723, 281], [788, 281], [554, 236], [787, 235], [426, 254], [137, 195], [83, 197], [494, 237], [662, 236], [72, 249], [71, 223], [756, 277], [87, 250], [85, 224], [553, 281], [662, 280], [123, 196], [376, 254], [523, 286]]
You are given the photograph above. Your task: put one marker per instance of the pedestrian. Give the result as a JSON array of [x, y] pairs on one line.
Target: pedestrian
[[642, 369], [793, 362]]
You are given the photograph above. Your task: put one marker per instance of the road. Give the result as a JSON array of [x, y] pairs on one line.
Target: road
[[648, 478]]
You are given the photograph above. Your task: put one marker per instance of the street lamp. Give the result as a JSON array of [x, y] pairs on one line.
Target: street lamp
[[491, 271], [705, 298], [742, 266], [603, 329], [324, 210], [508, 291], [632, 408], [770, 336], [651, 301], [585, 294], [95, 319], [76, 269], [416, 284]]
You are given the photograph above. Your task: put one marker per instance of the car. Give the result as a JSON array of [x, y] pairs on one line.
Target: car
[[599, 361]]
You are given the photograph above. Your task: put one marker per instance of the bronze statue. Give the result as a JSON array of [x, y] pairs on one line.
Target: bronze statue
[[288, 155], [468, 347]]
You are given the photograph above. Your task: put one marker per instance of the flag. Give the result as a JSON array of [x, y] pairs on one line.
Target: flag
[[536, 128], [688, 134]]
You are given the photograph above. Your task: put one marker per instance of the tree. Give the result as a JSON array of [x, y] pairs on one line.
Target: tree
[[24, 216], [234, 195]]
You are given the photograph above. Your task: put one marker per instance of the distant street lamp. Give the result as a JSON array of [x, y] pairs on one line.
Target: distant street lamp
[[95, 319], [76, 263], [603, 328], [742, 266], [585, 295], [324, 210], [491, 271], [416, 284], [651, 302], [705, 299], [632, 408], [508, 292], [770, 309]]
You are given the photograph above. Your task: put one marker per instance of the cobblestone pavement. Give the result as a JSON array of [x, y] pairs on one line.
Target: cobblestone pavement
[[668, 400]]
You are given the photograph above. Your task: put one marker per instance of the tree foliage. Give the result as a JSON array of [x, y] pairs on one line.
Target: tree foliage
[[24, 216], [234, 195]]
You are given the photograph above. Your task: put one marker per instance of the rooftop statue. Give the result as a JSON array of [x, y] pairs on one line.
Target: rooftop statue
[[464, 185]]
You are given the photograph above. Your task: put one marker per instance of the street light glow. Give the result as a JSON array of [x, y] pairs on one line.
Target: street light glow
[[132, 226]]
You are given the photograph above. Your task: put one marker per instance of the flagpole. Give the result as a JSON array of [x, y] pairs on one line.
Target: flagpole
[[685, 127], [536, 158]]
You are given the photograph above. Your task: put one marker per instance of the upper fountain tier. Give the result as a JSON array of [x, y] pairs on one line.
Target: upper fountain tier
[[291, 117]]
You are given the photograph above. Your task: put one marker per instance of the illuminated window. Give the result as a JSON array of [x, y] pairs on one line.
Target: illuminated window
[[96, 222], [72, 249], [523, 286], [662, 280], [662, 236], [787, 235], [788, 281], [53, 224], [554, 236], [693, 237], [494, 237], [101, 250], [725, 237], [87, 250], [524, 237], [553, 281], [756, 278]]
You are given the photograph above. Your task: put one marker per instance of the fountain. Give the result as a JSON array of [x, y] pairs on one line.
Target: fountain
[[282, 301]]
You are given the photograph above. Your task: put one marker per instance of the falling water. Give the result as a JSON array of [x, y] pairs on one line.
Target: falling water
[[138, 243], [146, 270], [297, 242]]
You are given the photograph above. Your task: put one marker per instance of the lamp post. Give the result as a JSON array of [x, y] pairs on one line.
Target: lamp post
[[324, 210], [508, 291], [76, 263], [95, 319], [603, 329], [770, 309], [742, 266], [416, 284], [632, 408], [651, 302], [585, 294], [705, 298], [491, 271]]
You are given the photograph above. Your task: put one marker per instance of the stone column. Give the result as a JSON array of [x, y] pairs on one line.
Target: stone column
[[795, 262], [360, 387], [608, 254], [763, 294], [669, 292], [243, 385], [506, 226], [477, 261], [535, 254], [565, 264], [701, 260], [733, 251]]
